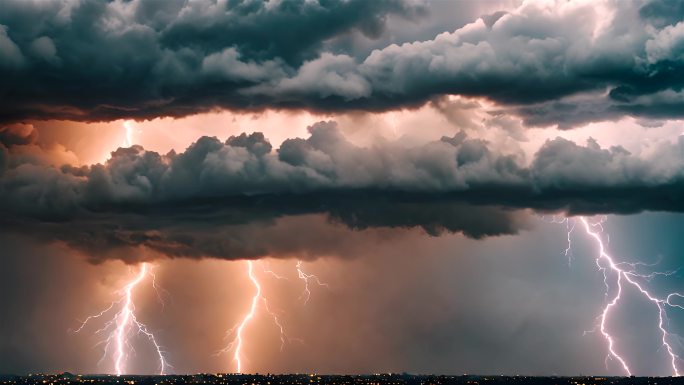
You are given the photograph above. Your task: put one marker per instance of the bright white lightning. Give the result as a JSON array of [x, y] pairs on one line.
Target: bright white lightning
[[124, 323], [236, 345], [128, 137], [626, 273], [248, 317], [307, 278]]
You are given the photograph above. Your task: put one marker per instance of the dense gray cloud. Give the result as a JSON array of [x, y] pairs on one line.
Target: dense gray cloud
[[229, 199], [91, 60], [143, 59]]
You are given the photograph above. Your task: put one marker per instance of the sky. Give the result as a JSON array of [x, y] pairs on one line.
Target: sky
[[342, 186]]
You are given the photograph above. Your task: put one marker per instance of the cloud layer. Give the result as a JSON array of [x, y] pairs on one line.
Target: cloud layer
[[102, 61], [233, 199]]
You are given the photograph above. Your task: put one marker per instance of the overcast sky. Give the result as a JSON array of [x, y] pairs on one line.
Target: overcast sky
[[425, 160]]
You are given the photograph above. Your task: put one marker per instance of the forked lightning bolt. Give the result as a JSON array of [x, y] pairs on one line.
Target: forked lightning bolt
[[124, 324], [237, 344], [238, 331], [615, 276], [306, 295]]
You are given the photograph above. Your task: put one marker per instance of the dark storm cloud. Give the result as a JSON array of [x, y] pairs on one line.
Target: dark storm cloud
[[143, 59], [95, 60], [238, 198], [231, 233], [291, 30], [229, 199]]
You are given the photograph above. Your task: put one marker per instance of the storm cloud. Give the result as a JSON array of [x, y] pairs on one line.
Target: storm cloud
[[241, 198], [143, 59]]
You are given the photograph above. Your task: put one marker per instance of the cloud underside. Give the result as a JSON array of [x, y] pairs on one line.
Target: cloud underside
[[561, 65], [242, 199]]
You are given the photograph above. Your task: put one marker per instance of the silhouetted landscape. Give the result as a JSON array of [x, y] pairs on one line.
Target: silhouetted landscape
[[315, 379]]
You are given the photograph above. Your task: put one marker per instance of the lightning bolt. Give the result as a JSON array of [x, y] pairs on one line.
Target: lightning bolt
[[306, 278], [619, 274], [238, 331], [237, 354], [124, 324], [128, 138], [237, 344], [272, 273]]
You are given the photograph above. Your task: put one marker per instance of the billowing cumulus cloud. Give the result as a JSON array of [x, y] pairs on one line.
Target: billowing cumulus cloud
[[102, 61], [241, 198], [95, 60]]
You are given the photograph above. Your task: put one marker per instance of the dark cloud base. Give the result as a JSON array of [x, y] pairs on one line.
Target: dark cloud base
[[342, 229]]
